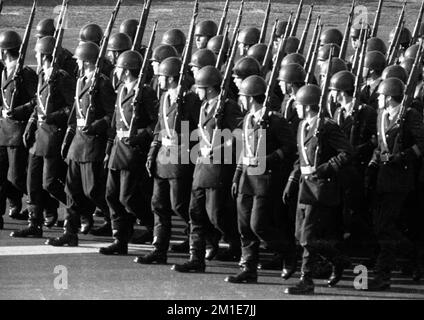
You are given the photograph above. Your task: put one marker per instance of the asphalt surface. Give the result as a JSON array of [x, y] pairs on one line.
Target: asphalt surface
[[27, 271]]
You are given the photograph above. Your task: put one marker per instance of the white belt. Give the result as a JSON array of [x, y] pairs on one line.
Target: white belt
[[81, 122], [123, 134], [307, 170], [250, 161], [4, 113]]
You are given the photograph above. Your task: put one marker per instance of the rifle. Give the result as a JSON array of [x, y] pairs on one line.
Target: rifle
[[236, 27], [305, 31], [223, 18], [265, 23], [1, 6], [313, 60], [141, 25], [343, 47], [312, 45], [59, 38], [322, 101], [357, 86], [293, 30], [395, 42], [268, 53], [141, 80], [376, 19], [358, 51], [100, 60], [274, 72], [60, 18], [22, 54], [186, 56], [417, 26], [222, 49], [408, 96]]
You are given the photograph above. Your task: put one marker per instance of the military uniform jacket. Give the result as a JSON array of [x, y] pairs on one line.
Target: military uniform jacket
[[55, 101], [270, 138], [363, 122], [171, 146], [288, 110], [123, 155], [84, 147], [332, 143], [398, 177], [67, 62], [11, 130], [217, 172]]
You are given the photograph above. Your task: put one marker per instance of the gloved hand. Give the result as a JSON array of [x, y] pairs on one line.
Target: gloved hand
[[149, 166], [106, 161], [234, 190], [290, 190], [66, 144]]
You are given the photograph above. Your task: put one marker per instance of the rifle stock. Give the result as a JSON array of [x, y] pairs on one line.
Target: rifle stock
[[305, 31]]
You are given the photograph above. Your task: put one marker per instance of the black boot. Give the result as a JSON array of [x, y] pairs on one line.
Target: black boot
[[289, 267], [117, 247], [21, 216], [69, 239], [275, 264], [105, 230], [87, 223], [51, 217], [182, 247], [338, 268], [15, 210], [190, 266], [247, 275], [304, 286], [212, 245], [31, 231], [381, 282], [155, 256], [145, 237]]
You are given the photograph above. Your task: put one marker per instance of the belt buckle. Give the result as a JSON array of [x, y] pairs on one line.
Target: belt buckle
[[307, 170], [385, 157], [123, 134], [250, 161], [81, 122]]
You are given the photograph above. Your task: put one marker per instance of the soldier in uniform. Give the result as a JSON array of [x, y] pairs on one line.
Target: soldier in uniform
[[129, 27], [374, 64], [128, 152], [202, 58], [331, 36], [17, 103], [267, 151], [317, 222], [211, 205], [84, 145], [43, 135], [324, 53], [168, 160], [215, 44], [118, 43], [244, 67], [394, 163], [247, 38], [203, 32], [175, 38], [376, 44], [160, 53], [258, 52]]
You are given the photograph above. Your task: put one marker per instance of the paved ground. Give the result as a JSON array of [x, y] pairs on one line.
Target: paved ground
[[27, 272]]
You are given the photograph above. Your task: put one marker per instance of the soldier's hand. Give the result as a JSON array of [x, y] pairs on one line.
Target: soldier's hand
[[64, 150], [149, 167], [234, 190], [106, 161], [25, 139], [290, 191]]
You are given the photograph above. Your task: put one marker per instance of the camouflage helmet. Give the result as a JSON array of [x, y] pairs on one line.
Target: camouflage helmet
[[395, 71], [174, 37], [376, 44], [202, 58], [309, 95], [45, 28], [45, 45], [331, 36], [391, 87], [91, 32], [215, 43], [170, 67], [375, 60], [87, 51], [247, 66], [130, 60], [258, 51], [163, 51], [206, 28], [119, 42], [324, 51], [208, 76], [10, 40], [342, 81], [249, 36], [293, 58], [253, 86], [129, 27], [292, 73]]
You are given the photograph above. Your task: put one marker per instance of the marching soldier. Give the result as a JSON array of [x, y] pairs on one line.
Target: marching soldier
[[133, 135], [204, 31], [202, 58], [159, 54], [175, 38], [211, 205], [43, 136], [129, 27], [215, 44], [17, 103], [168, 160], [376, 44], [331, 36], [247, 38], [324, 53], [118, 43], [395, 167], [267, 151], [84, 145], [244, 67], [374, 64], [258, 52], [317, 223]]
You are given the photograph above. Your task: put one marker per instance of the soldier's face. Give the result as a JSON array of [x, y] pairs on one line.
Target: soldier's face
[[365, 73], [244, 102], [195, 70], [286, 88], [120, 74], [334, 94], [155, 65], [163, 82], [2, 55], [382, 101], [201, 41], [237, 81], [243, 48], [39, 59], [202, 93], [112, 56], [300, 109], [80, 64], [355, 42]]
